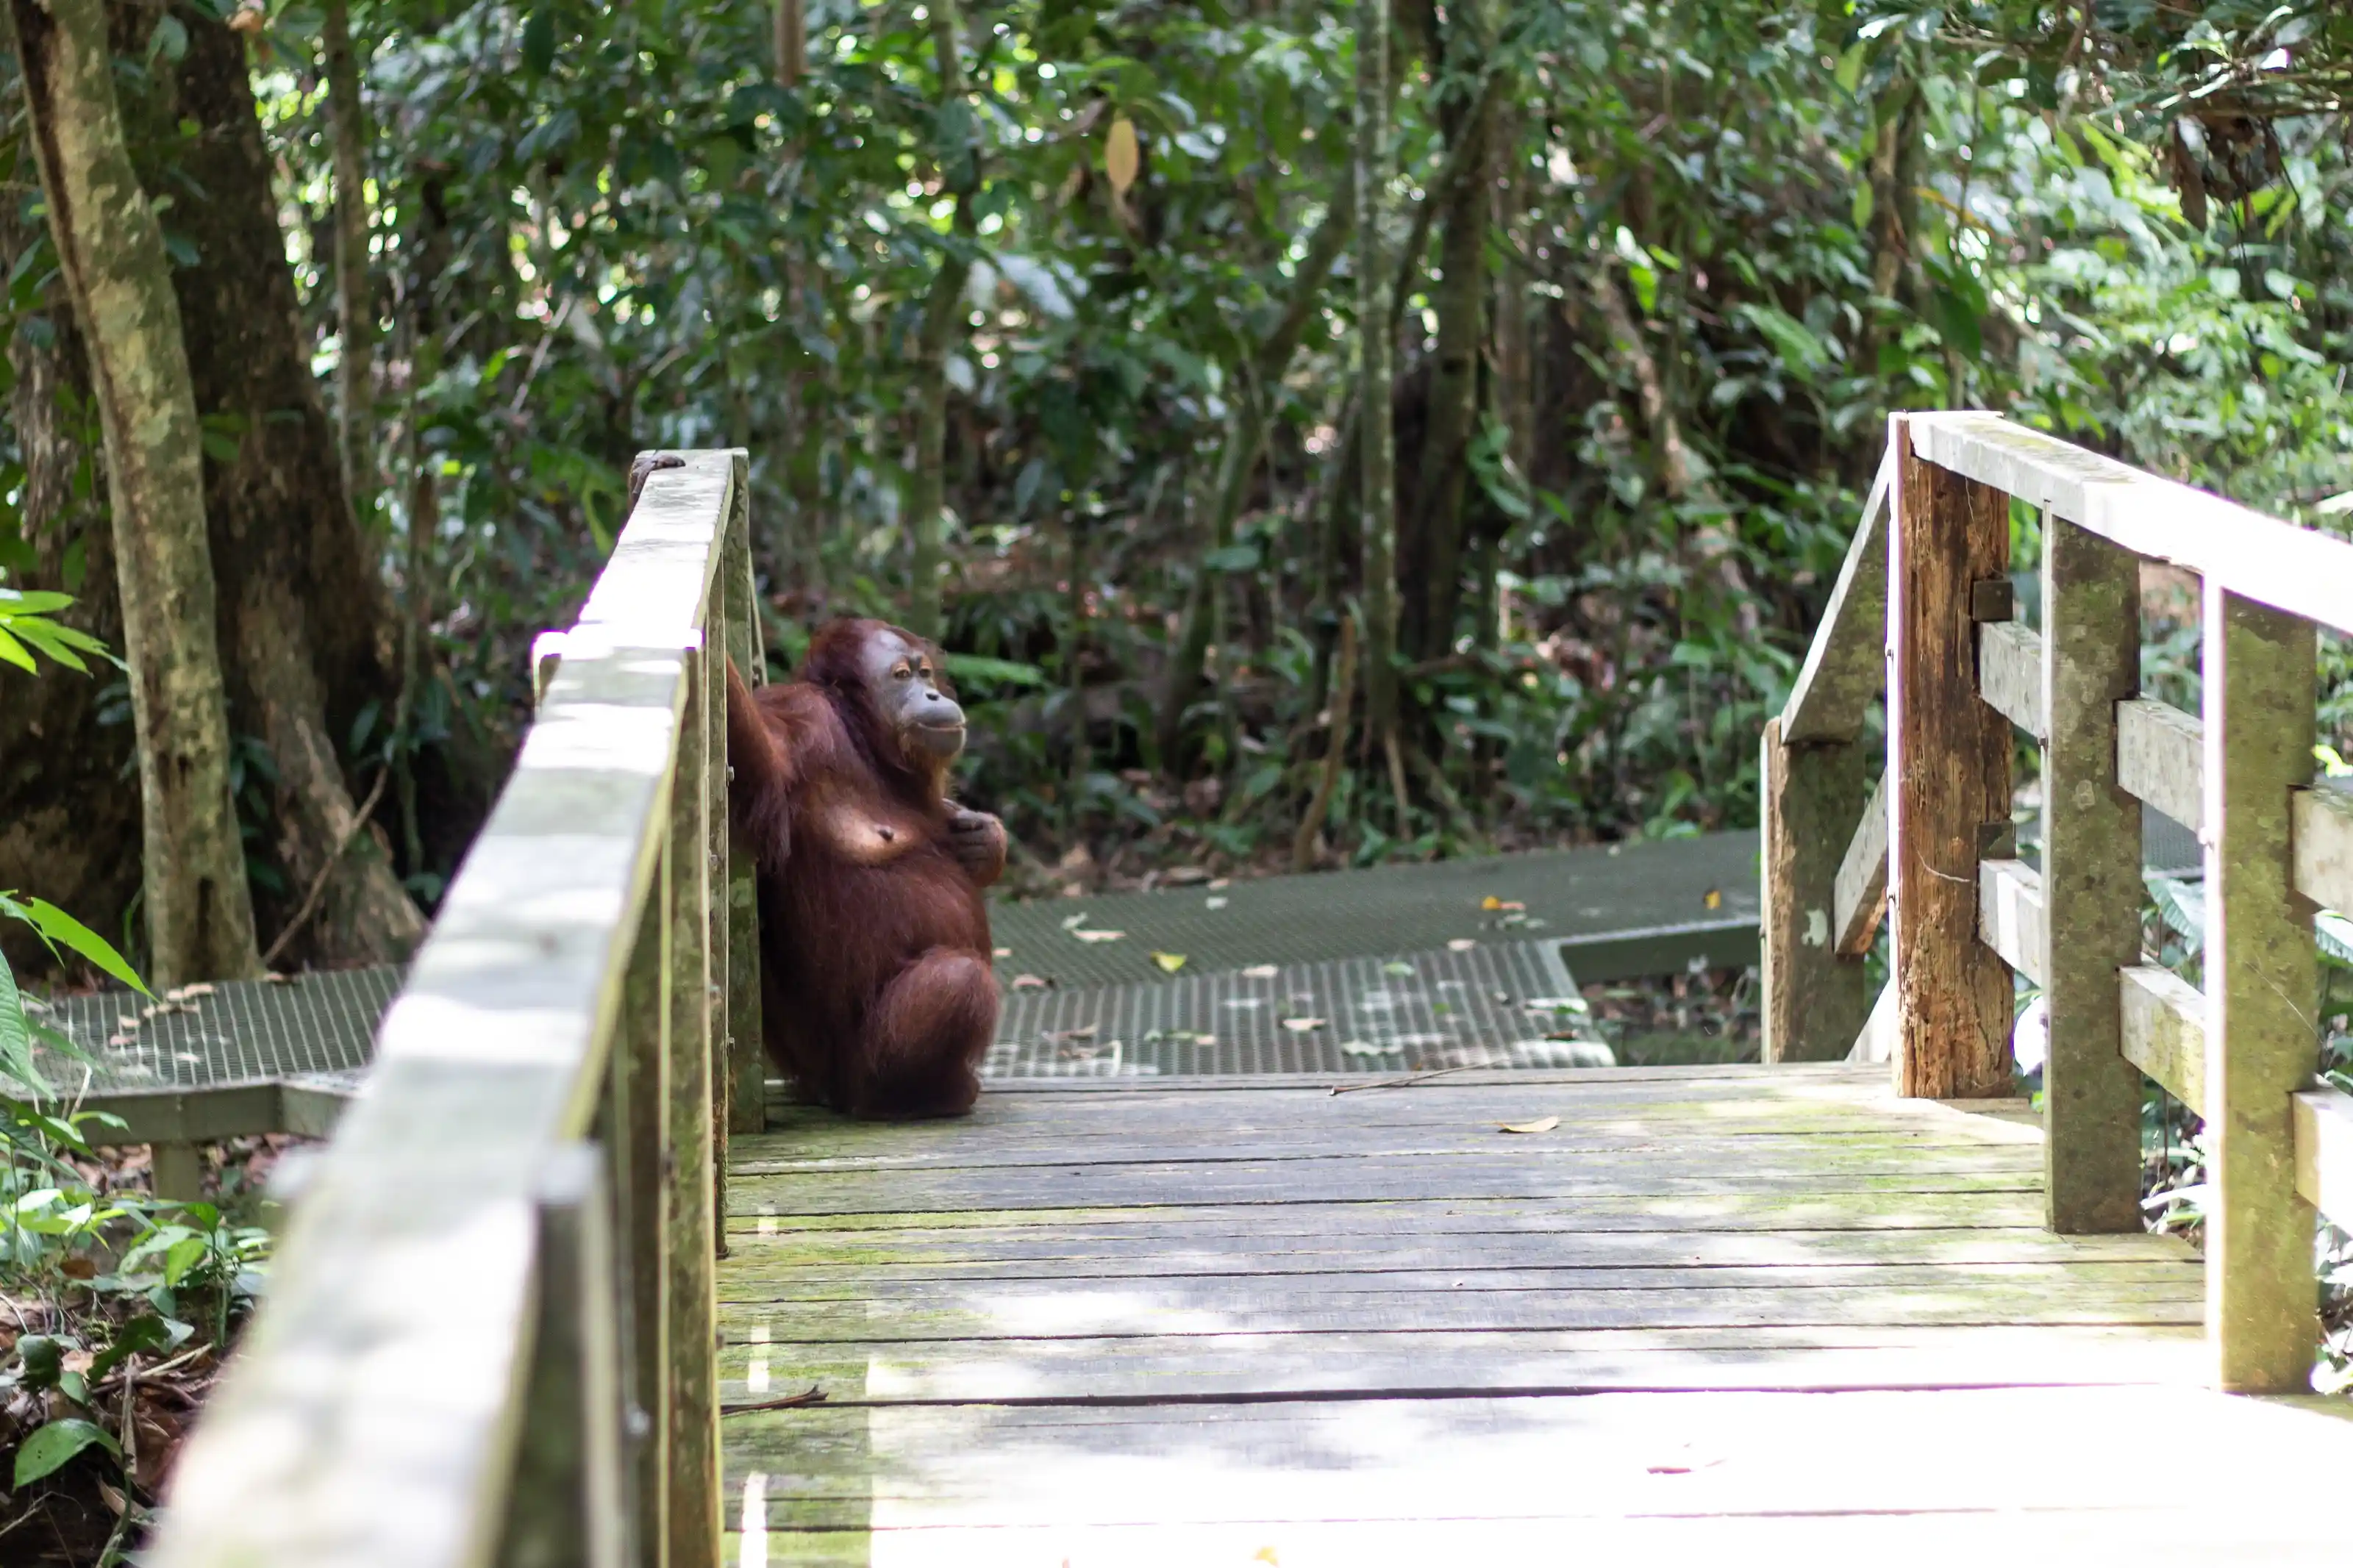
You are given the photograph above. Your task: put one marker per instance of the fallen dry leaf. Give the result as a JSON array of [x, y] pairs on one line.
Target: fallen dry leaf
[[1261, 972], [1217, 883], [1214, 903], [1716, 897], [1302, 1025], [1462, 944], [1030, 983], [1541, 1124], [1170, 962], [1004, 953], [1099, 935]]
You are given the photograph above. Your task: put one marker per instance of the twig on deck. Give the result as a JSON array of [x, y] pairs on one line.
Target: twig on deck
[[1404, 1082], [815, 1396]]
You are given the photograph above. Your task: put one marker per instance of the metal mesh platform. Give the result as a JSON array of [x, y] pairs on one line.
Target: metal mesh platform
[[1490, 1006], [217, 1061], [1617, 910]]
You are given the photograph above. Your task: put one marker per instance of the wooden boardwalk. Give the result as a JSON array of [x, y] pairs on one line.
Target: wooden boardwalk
[[1714, 1314]]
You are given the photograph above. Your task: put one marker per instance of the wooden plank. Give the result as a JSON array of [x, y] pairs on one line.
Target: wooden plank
[[1568, 1214], [2010, 915], [1846, 663], [773, 1266], [2164, 1031], [2261, 993], [2090, 895], [1098, 1370], [1007, 1311], [2324, 1152], [945, 1481], [2009, 672], [2160, 759], [2259, 558], [1949, 756], [1814, 998], [1860, 895], [2322, 832]]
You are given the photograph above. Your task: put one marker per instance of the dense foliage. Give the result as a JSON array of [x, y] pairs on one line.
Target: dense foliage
[[1714, 244]]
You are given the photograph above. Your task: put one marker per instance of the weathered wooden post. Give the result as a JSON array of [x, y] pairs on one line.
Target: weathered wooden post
[[2261, 994], [1816, 1001], [640, 1094], [564, 1503], [747, 1104], [2091, 880], [691, 1243], [1947, 781], [1814, 776]]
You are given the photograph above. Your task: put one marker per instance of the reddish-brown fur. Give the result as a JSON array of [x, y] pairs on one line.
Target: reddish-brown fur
[[877, 994]]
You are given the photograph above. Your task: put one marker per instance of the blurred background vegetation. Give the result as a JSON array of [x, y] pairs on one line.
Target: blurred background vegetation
[[1665, 267]]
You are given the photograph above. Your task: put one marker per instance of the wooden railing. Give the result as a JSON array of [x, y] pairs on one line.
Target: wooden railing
[[1923, 611], [490, 1335]]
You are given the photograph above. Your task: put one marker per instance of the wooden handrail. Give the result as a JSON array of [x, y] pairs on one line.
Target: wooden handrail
[[490, 1328], [1966, 914]]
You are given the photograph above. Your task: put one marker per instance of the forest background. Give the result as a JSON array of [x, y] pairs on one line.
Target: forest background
[[1041, 324]]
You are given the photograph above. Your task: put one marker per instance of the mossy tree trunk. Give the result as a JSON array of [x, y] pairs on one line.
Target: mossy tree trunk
[[1377, 448], [65, 818], [110, 252], [307, 629], [1436, 524], [354, 291], [943, 311], [1237, 462]]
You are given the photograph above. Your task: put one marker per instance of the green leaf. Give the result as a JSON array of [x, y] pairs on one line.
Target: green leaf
[[43, 602], [60, 927], [147, 1332], [16, 1035], [1849, 74], [183, 1256], [47, 1451], [44, 637], [539, 40], [1646, 286], [14, 652], [1232, 558], [999, 671]]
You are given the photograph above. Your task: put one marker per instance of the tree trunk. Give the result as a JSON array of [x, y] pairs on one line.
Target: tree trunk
[[943, 311], [1253, 421], [1376, 483], [65, 816], [111, 251], [354, 291], [306, 629], [1436, 527]]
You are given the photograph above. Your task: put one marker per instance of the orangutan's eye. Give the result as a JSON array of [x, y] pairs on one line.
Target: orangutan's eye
[[901, 673]]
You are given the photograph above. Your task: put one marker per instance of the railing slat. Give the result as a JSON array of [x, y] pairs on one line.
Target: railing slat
[[1817, 1000], [2324, 847], [2261, 994], [1846, 665], [2009, 673], [2160, 759], [1948, 770], [2324, 1152], [1860, 896], [2256, 557], [2089, 661], [2011, 916], [2164, 1033]]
